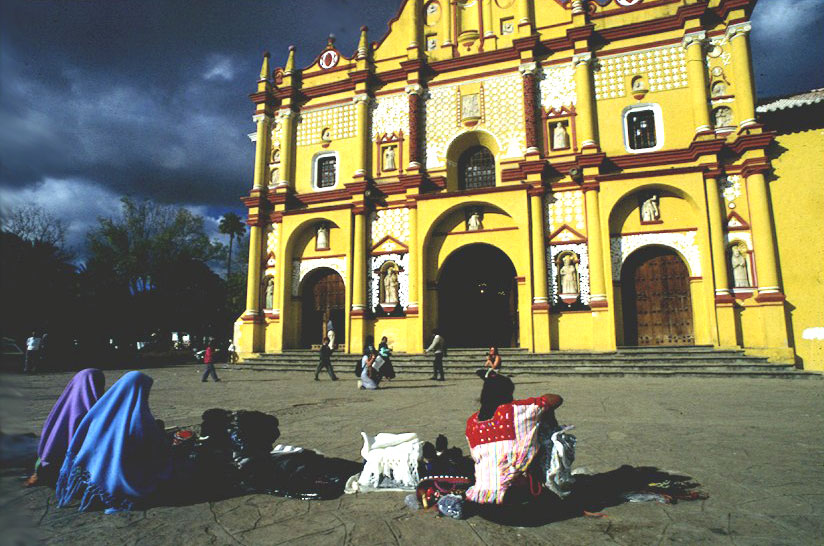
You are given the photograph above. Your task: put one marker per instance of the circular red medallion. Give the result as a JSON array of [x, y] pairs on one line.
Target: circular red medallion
[[328, 59]]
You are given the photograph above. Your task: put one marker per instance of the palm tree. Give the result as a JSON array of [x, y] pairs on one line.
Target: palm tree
[[231, 225]]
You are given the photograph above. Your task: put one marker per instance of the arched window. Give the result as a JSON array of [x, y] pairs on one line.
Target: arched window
[[476, 168]]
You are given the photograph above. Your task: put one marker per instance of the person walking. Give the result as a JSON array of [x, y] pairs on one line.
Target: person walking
[[330, 333], [437, 347], [32, 353], [232, 352], [326, 360], [387, 370], [209, 360]]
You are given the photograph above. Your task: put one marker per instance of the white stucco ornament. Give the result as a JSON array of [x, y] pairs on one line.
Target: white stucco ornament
[[301, 268], [682, 241]]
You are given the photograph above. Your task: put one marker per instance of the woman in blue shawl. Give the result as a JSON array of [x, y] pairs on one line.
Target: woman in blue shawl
[[79, 395], [118, 456]]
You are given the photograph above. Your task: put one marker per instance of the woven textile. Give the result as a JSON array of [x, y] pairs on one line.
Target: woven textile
[[503, 447]]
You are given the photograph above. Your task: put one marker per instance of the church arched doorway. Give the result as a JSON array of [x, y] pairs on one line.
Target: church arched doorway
[[655, 298], [323, 296], [478, 298]]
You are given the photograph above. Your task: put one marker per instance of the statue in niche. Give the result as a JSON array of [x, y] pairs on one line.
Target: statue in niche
[[322, 237], [722, 116], [389, 158], [474, 223], [274, 176], [269, 300], [470, 106], [718, 89], [560, 138], [649, 209], [326, 135], [391, 285], [638, 83], [569, 275], [740, 274]]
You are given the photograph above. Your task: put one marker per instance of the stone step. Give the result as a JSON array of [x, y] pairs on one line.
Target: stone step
[[581, 371], [732, 357]]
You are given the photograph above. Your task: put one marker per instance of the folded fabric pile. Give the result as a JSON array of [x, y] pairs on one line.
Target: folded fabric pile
[[391, 463]]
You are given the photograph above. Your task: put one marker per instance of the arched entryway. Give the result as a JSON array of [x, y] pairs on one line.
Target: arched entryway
[[655, 298], [478, 298], [323, 297]]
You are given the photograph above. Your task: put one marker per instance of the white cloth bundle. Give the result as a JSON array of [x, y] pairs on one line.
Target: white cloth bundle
[[392, 456]]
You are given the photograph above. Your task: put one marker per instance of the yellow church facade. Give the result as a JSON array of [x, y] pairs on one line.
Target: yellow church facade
[[546, 174]]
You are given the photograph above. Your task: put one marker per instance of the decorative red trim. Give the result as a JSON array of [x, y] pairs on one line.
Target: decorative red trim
[[598, 304], [481, 191], [520, 280], [389, 238], [580, 237], [445, 233], [324, 257], [674, 230], [651, 222], [724, 300], [696, 278], [771, 297], [540, 307], [317, 209], [323, 196], [393, 139], [734, 215]]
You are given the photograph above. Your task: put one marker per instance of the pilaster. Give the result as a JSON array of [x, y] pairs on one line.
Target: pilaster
[[693, 43], [540, 300], [737, 34], [585, 101]]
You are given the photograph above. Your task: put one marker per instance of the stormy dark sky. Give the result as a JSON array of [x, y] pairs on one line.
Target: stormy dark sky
[[100, 99]]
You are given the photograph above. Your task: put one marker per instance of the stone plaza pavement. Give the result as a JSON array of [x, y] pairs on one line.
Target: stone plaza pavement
[[756, 446]]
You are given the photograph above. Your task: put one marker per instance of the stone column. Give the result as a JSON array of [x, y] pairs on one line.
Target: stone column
[[489, 24], [363, 140], [358, 264], [447, 19], [524, 19], [412, 306], [762, 235], [414, 26], [287, 142], [697, 76], [742, 73], [414, 91], [540, 302], [528, 72], [253, 280], [263, 123], [585, 103], [597, 285], [719, 252]]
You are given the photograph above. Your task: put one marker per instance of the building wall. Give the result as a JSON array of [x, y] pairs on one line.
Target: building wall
[[797, 201], [503, 75]]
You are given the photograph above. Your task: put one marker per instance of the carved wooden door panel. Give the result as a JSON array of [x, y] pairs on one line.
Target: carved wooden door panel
[[663, 303]]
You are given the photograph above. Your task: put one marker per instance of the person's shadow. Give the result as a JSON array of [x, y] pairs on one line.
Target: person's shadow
[[591, 493]]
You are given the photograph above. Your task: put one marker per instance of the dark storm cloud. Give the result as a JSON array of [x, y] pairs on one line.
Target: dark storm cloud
[[104, 98]]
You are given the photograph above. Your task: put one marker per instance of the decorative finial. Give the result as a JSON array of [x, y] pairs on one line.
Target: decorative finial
[[363, 43], [290, 61], [330, 41], [264, 67]]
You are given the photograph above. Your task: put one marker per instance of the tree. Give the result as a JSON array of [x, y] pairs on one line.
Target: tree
[[232, 226], [36, 225]]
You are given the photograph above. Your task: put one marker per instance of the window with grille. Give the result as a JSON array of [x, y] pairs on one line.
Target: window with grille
[[325, 172], [476, 169], [643, 129]]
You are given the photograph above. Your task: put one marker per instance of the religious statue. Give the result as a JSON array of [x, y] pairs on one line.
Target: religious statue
[[274, 177], [276, 156], [722, 116], [649, 209], [389, 158], [740, 275], [270, 293], [638, 83], [326, 135], [718, 89], [470, 106], [569, 275], [391, 286], [560, 138], [473, 223], [322, 241]]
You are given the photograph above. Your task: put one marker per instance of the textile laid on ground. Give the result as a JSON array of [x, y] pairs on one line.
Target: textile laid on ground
[[391, 462], [84, 389], [503, 447], [118, 455]]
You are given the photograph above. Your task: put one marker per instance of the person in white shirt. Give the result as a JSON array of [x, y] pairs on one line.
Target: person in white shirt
[[32, 353], [437, 347]]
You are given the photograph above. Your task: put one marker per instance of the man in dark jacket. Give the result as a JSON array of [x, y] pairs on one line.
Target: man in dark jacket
[[325, 360]]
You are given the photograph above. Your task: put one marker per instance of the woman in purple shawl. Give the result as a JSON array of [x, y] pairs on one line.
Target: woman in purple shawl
[[118, 457], [78, 397]]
